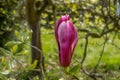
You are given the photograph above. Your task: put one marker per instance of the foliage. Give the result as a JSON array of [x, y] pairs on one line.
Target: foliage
[[97, 23], [8, 20]]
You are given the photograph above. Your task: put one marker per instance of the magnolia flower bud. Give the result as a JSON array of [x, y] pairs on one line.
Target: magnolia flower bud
[[66, 36]]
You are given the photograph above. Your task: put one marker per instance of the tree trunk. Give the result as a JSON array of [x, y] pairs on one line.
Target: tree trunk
[[36, 42], [36, 47], [37, 54]]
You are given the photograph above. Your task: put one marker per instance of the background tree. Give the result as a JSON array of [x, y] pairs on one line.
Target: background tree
[[98, 25]]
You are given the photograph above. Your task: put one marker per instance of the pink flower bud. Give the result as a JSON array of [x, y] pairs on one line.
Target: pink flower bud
[[66, 37]]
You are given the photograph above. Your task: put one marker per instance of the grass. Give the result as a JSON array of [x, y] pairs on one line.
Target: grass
[[109, 64]]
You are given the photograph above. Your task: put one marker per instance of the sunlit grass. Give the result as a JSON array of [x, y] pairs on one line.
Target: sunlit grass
[[110, 58]]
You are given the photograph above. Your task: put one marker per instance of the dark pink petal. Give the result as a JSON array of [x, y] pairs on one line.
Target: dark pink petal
[[66, 39], [74, 30], [56, 33], [66, 36], [65, 43], [63, 18]]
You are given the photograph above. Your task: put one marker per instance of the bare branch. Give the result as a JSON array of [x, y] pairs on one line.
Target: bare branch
[[95, 35], [42, 7], [85, 50], [54, 13], [92, 75], [46, 3], [115, 45], [94, 70]]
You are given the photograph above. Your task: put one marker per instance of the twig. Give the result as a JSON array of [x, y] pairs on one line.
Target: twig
[[114, 36], [100, 55], [54, 13], [40, 58], [92, 75], [42, 7], [95, 35], [85, 50], [115, 45]]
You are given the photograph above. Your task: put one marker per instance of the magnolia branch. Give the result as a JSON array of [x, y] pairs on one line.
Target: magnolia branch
[[95, 35], [94, 70], [91, 74], [85, 50], [42, 7]]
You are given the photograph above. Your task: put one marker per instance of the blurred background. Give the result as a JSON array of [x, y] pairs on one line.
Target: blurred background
[[96, 56]]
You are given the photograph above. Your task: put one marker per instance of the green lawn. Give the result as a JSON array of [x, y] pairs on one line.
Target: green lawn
[[109, 64], [17, 52]]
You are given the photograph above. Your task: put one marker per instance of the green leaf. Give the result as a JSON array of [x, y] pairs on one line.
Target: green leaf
[[4, 51], [112, 7], [5, 72], [12, 43], [3, 59], [25, 52], [118, 35], [16, 33], [75, 69], [32, 66], [14, 49], [74, 7]]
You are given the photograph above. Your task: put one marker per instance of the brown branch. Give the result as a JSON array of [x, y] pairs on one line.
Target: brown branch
[[54, 14], [94, 70], [38, 12], [85, 50], [21, 10], [51, 2], [95, 35], [33, 22], [112, 42], [92, 75], [46, 3], [115, 45]]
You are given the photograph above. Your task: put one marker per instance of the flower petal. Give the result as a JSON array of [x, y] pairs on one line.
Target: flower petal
[[63, 18], [75, 37], [66, 36], [64, 41]]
